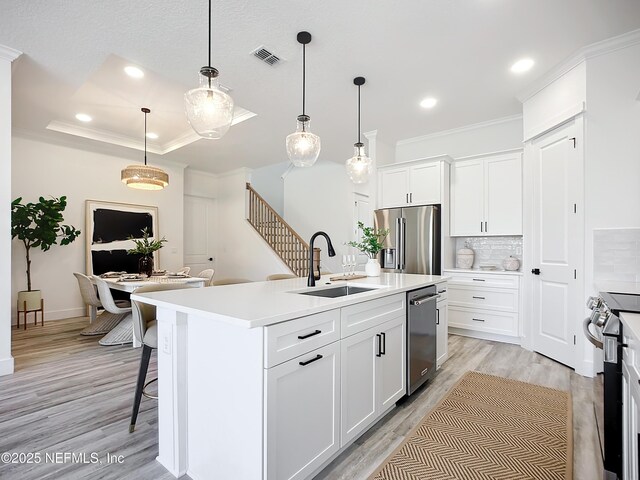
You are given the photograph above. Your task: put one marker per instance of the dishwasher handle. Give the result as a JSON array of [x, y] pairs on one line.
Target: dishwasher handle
[[427, 298]]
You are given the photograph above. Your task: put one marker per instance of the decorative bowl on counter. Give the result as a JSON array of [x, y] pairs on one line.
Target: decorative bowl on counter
[[511, 263]]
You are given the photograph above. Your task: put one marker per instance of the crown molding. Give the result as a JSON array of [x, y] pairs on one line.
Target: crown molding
[[370, 135], [9, 54], [490, 154], [466, 128], [590, 51], [436, 158]]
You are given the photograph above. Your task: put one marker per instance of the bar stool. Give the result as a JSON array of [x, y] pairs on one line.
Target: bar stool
[[145, 330]]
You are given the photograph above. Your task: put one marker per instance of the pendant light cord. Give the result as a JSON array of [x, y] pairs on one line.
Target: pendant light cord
[[209, 32], [359, 114], [304, 79], [145, 138]]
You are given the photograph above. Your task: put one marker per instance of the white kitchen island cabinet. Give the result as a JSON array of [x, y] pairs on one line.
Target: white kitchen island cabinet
[[258, 381]]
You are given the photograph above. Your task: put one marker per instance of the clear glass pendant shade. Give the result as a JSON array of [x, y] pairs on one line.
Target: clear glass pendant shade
[[359, 166], [209, 109], [303, 147]]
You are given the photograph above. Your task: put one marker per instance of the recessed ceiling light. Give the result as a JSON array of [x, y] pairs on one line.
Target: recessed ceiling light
[[523, 65], [83, 117], [428, 102], [152, 136], [134, 72]]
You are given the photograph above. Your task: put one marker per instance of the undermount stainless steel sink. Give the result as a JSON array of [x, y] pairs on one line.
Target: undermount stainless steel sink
[[335, 292]]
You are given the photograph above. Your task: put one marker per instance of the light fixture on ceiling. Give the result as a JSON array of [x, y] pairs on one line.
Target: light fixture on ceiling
[[428, 102], [83, 117], [209, 109], [133, 72], [359, 166], [523, 65], [303, 147], [152, 136], [144, 177]]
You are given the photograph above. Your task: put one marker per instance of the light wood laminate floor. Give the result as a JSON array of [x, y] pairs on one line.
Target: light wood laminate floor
[[69, 394]]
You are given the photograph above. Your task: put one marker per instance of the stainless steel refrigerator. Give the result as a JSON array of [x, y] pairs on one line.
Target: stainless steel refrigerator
[[413, 244]]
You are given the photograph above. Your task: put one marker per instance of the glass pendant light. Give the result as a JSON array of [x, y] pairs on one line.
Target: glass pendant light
[[209, 109], [359, 166], [303, 147], [144, 177]]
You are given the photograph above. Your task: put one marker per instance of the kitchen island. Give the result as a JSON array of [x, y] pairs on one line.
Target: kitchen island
[[264, 381]]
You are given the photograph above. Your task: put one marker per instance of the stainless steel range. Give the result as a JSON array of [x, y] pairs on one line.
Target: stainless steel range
[[604, 330]]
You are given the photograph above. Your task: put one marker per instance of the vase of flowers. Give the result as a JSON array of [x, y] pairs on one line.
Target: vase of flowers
[[145, 247], [371, 244]]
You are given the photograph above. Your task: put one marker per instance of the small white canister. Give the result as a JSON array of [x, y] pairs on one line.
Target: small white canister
[[511, 263], [464, 258]]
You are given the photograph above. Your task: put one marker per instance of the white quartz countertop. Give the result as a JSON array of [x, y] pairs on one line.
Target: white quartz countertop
[[631, 323], [618, 287], [259, 304], [478, 271]]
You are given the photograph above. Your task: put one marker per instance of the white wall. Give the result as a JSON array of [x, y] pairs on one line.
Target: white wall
[[321, 198], [6, 360], [612, 161], [43, 169], [268, 182], [200, 184], [241, 252], [492, 136]]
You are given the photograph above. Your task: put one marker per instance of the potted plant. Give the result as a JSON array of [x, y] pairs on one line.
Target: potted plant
[[371, 245], [39, 225], [145, 247]]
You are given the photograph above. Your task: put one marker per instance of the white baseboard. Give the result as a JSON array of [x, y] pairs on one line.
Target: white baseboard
[[484, 335], [6, 366], [55, 314]]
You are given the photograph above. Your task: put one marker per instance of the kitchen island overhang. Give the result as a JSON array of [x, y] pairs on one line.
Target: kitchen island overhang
[[219, 350]]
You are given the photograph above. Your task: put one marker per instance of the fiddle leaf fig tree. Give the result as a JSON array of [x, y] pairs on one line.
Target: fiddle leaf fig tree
[[39, 225]]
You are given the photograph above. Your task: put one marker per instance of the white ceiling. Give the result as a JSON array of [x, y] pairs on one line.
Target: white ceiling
[[458, 51]]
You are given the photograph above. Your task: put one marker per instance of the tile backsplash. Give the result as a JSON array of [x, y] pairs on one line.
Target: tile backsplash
[[491, 250], [616, 254]]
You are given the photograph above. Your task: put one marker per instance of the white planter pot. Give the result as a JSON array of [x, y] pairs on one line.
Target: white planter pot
[[372, 268], [33, 299]]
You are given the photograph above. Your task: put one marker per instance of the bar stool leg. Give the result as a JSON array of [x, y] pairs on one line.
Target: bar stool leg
[[142, 375]]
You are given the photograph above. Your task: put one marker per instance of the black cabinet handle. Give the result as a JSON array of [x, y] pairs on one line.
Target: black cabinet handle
[[477, 320], [481, 227], [384, 344], [535, 271], [478, 279], [379, 352], [437, 316], [486, 228], [317, 332], [318, 357], [479, 298]]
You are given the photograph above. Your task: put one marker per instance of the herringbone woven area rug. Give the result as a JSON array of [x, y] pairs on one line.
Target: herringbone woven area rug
[[491, 428]]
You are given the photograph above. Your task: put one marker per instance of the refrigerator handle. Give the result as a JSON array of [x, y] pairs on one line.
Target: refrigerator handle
[[398, 245], [403, 225]]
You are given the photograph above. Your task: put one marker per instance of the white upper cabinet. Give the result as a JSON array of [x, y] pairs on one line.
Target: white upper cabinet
[[486, 195], [419, 182]]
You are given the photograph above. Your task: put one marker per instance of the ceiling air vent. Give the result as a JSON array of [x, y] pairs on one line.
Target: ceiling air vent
[[261, 53]]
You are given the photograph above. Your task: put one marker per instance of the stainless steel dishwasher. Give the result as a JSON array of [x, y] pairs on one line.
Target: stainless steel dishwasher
[[421, 336]]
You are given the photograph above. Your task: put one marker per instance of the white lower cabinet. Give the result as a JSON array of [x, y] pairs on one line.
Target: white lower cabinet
[[373, 375], [302, 413], [442, 331]]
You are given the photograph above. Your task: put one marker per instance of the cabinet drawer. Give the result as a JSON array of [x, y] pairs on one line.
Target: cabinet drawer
[[442, 289], [483, 320], [288, 340], [502, 299], [483, 279], [359, 317]]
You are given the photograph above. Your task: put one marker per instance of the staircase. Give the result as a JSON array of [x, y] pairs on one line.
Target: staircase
[[282, 239]]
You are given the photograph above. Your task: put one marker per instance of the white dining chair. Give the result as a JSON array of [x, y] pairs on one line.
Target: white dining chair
[[207, 275], [123, 332], [280, 276], [184, 270], [145, 331], [105, 321]]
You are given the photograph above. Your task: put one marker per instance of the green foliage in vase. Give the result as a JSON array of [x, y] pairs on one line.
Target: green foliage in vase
[[39, 225], [146, 246], [372, 240]]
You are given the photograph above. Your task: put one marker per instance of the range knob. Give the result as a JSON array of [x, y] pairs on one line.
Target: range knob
[[604, 316]]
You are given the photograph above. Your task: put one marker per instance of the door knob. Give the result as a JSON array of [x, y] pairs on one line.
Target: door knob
[[535, 271], [211, 259]]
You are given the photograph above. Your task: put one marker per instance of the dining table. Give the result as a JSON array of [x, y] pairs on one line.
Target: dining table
[[129, 286]]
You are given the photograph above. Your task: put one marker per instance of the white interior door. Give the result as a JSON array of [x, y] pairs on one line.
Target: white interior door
[[361, 213], [199, 233], [556, 242]]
